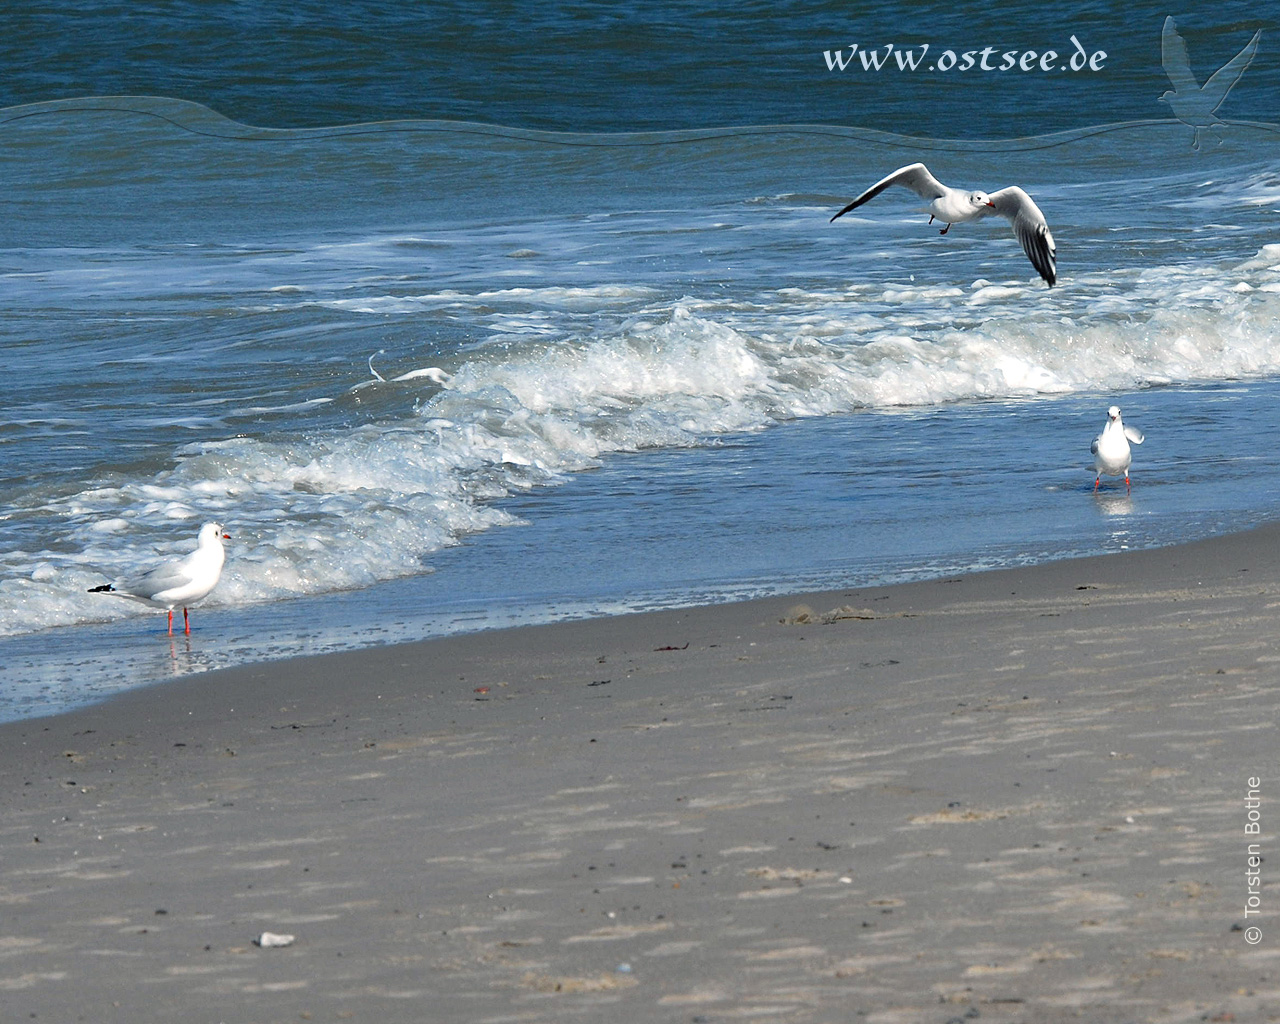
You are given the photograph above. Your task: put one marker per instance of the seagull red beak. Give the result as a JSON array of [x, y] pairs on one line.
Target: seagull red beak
[[990, 203]]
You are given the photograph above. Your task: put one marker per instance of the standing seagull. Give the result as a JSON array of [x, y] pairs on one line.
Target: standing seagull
[[1192, 103], [181, 582], [1110, 449], [955, 206]]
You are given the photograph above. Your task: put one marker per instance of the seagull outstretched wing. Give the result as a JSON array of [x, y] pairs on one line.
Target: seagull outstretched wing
[[1173, 55], [914, 176], [1221, 81], [1030, 227]]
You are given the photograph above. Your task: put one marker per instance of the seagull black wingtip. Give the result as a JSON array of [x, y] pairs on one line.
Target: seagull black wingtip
[[843, 212]]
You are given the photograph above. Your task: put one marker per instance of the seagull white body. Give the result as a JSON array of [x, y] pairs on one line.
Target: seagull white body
[[956, 206], [1111, 452], [1192, 103], [181, 582]]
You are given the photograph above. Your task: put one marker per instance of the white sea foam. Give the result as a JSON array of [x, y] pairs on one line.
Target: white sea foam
[[344, 508], [580, 298]]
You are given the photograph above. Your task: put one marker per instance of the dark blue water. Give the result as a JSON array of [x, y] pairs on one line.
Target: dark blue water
[[623, 66]]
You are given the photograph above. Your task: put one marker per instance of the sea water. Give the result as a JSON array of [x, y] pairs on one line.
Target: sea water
[[437, 375]]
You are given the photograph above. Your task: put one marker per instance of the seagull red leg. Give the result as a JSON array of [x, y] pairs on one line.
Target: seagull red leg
[[186, 623], [171, 622], [1097, 480], [945, 230]]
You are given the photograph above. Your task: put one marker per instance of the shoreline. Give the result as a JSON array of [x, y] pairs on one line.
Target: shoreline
[[585, 547], [590, 546], [1020, 791]]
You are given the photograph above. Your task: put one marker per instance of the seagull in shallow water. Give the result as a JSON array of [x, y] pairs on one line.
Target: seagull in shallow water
[[956, 206], [183, 581], [1192, 103], [1110, 449]]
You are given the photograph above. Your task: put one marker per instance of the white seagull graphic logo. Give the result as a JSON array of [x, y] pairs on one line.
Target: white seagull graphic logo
[[1194, 104]]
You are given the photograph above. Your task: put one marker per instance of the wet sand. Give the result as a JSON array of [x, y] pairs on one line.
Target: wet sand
[[1017, 796]]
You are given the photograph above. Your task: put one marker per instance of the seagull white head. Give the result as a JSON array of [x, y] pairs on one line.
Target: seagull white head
[[1113, 413], [978, 199], [211, 533]]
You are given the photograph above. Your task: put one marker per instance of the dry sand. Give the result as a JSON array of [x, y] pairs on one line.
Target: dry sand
[[1017, 796]]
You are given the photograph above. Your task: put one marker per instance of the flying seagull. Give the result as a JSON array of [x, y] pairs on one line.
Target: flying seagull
[[956, 206], [1192, 103], [183, 581], [432, 373], [1110, 449]]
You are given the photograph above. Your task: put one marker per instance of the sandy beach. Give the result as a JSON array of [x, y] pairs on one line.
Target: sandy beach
[[1017, 796]]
